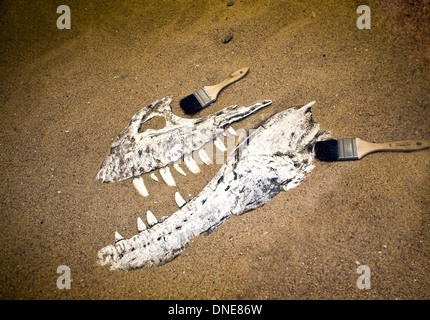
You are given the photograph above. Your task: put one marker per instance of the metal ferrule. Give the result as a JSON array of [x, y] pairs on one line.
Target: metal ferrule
[[347, 149], [203, 97]]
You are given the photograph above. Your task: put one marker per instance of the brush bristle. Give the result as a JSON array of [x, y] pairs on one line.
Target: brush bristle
[[190, 104], [327, 150]]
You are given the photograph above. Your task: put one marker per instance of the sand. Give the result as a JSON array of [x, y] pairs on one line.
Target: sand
[[65, 94]]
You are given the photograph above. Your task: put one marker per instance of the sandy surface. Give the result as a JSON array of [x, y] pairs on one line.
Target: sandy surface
[[65, 94]]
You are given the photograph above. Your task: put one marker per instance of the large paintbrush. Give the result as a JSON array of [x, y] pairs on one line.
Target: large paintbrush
[[355, 148], [207, 95]]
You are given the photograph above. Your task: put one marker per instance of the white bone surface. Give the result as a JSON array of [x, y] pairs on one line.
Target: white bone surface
[[276, 157]]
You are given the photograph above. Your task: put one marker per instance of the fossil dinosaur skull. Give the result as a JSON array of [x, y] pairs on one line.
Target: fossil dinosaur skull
[[136, 151], [275, 157]]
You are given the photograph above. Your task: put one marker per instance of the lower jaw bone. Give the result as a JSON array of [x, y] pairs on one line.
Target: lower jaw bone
[[275, 157]]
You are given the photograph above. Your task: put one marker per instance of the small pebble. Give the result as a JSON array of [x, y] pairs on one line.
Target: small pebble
[[230, 3], [227, 38]]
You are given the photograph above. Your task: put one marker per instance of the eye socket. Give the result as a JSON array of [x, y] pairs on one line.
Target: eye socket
[[154, 123]]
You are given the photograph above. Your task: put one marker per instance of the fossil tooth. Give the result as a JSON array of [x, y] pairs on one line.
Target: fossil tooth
[[179, 169], [310, 104], [204, 156], [241, 135], [191, 164], [179, 200], [231, 131], [163, 218], [153, 176], [151, 218], [140, 186], [118, 237], [167, 176], [140, 225], [219, 144]]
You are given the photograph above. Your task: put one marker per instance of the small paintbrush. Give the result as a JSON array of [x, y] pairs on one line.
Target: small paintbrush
[[355, 148], [207, 95]]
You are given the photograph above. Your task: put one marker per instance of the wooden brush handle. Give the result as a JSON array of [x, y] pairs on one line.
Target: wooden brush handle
[[233, 77], [364, 147]]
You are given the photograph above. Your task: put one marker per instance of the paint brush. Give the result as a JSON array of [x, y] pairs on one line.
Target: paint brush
[[355, 148], [207, 95]]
